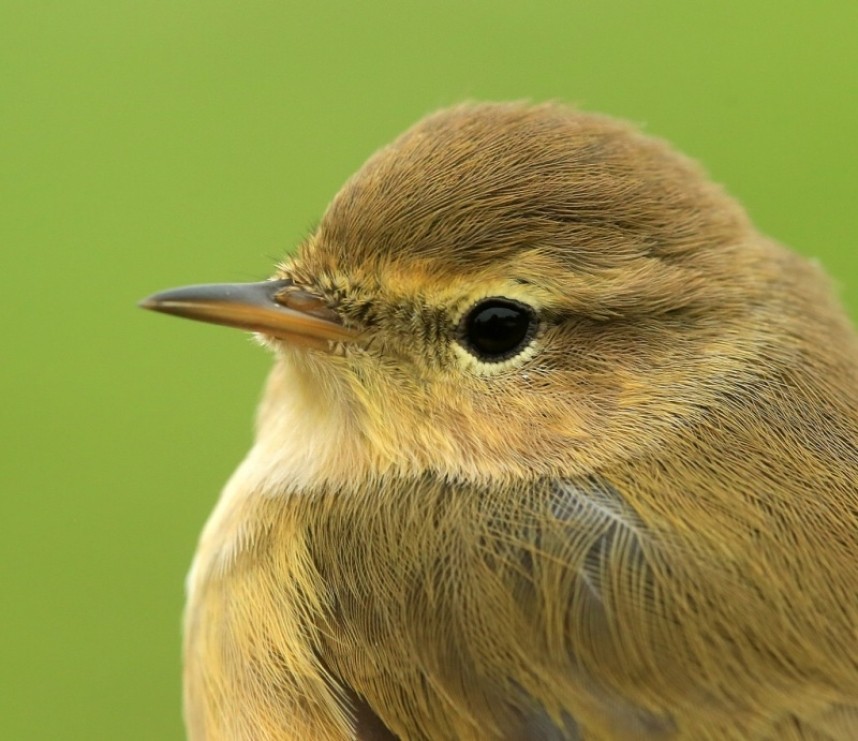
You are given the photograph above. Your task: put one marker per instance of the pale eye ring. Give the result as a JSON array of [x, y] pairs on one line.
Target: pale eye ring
[[497, 329]]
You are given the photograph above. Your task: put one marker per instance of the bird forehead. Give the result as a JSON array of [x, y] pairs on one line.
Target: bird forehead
[[472, 185], [587, 209]]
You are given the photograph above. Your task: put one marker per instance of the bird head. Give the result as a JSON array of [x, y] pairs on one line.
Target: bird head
[[505, 291]]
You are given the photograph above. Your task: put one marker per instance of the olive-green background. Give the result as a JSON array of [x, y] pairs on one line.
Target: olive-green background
[[149, 144]]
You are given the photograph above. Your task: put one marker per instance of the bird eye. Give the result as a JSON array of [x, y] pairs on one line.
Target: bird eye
[[497, 329]]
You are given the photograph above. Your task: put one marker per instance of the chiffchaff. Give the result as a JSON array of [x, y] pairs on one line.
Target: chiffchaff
[[556, 446]]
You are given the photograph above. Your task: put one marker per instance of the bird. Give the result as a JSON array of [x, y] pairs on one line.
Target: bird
[[556, 445]]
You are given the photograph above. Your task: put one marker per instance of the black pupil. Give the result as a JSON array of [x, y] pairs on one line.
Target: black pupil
[[496, 329]]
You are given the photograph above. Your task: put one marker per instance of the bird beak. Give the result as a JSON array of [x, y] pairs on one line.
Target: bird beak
[[276, 308]]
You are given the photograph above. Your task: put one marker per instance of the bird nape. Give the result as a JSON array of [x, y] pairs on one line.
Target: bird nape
[[556, 445]]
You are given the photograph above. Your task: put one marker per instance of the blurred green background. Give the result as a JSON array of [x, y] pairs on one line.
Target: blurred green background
[[150, 144]]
